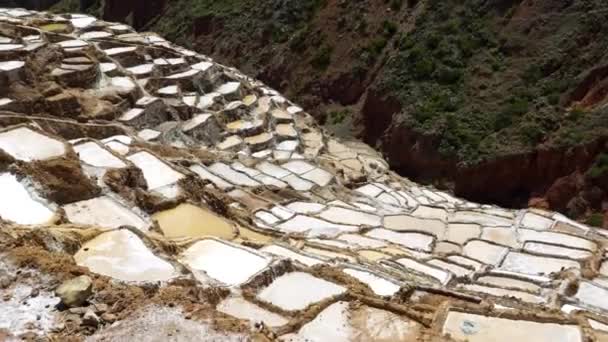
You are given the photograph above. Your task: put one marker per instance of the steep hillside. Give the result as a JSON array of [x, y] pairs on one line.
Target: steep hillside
[[471, 95]]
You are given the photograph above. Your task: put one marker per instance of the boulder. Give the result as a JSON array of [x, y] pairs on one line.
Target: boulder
[[76, 291]]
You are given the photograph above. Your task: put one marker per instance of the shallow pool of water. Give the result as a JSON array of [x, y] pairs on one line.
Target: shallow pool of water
[[187, 220]]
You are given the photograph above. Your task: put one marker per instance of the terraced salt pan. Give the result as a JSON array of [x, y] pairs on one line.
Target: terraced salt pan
[[329, 255], [556, 238], [476, 328], [232, 176], [148, 134], [156, 172], [95, 155], [506, 236], [409, 223], [548, 249], [351, 217], [187, 220], [461, 233], [592, 294], [298, 290], [362, 241], [298, 183], [289, 254], [442, 276], [499, 292], [206, 174], [298, 167], [103, 212], [18, 205], [410, 240], [226, 263], [508, 282], [479, 218], [485, 252], [535, 221], [457, 270], [27, 145], [314, 226], [379, 285], [305, 207], [341, 323], [241, 308], [536, 265], [122, 255]]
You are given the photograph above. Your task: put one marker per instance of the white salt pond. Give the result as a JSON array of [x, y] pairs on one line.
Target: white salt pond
[[122, 255], [241, 308], [476, 328], [232, 176], [536, 265], [410, 240], [298, 290], [341, 323], [156, 172], [349, 216], [379, 285], [95, 155], [229, 264], [442, 276], [18, 205], [289, 254], [103, 212], [27, 145], [314, 226]]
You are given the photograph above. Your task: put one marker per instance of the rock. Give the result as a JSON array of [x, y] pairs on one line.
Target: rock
[[76, 291], [563, 190], [101, 308], [90, 319], [63, 105], [109, 318], [5, 279], [538, 202]]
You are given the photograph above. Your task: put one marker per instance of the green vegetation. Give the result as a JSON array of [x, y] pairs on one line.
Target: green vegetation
[[600, 167], [338, 116], [595, 220], [484, 91], [322, 58]]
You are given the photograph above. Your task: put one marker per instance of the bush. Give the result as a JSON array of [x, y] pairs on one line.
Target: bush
[[599, 168], [423, 68], [389, 28], [396, 4], [447, 75], [338, 116], [323, 58], [595, 220]]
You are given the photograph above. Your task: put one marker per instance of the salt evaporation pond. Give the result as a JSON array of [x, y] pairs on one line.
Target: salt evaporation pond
[[187, 220], [224, 262], [17, 204], [122, 255]]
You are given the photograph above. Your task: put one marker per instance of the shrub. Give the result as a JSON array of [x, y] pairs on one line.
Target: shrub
[[338, 116], [595, 220], [423, 68], [600, 166], [396, 4], [323, 58], [449, 75], [389, 28]]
